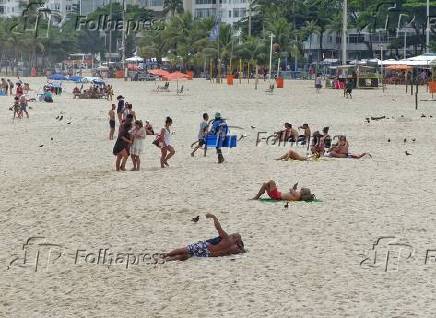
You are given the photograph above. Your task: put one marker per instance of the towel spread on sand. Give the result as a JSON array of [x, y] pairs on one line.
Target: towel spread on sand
[[268, 200]]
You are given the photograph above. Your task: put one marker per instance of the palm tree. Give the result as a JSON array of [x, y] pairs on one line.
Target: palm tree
[[173, 6], [311, 28]]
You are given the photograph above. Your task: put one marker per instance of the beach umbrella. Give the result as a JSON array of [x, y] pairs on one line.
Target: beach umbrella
[[398, 67], [159, 72], [177, 76], [58, 77]]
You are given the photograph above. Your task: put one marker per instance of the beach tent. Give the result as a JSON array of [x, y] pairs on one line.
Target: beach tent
[[175, 76], [58, 77], [135, 59], [89, 79], [75, 78], [98, 81]]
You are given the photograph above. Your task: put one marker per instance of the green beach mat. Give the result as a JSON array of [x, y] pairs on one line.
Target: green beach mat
[[268, 200]]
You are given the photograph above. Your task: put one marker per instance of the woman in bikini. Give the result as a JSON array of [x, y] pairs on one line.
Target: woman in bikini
[[270, 188], [340, 150], [293, 155]]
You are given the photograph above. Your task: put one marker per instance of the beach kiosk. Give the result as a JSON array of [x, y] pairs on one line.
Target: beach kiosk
[[364, 76]]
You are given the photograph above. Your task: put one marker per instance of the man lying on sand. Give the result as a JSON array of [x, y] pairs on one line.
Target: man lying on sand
[[293, 155], [270, 188], [222, 245], [340, 150]]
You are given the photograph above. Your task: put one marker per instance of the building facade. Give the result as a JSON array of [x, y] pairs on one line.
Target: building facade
[[9, 8], [360, 45], [228, 11]]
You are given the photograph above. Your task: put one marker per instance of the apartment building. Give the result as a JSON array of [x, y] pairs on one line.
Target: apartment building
[[229, 11], [9, 8]]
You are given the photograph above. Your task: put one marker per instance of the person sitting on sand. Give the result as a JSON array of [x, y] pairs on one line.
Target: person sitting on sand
[[224, 244], [340, 150], [305, 138], [270, 188], [321, 141], [287, 134], [293, 155]]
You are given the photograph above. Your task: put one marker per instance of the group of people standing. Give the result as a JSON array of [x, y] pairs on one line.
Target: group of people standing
[[20, 104]]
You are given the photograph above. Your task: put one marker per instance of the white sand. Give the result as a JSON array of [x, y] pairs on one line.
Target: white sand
[[302, 261]]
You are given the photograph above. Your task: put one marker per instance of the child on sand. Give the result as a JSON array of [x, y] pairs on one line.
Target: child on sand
[[138, 133], [270, 188], [202, 134], [16, 108], [23, 106], [112, 122]]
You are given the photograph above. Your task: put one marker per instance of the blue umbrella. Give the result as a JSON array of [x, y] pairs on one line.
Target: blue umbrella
[[97, 81], [58, 77], [75, 78]]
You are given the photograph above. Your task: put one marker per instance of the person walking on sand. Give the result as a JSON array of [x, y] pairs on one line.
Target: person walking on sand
[[120, 108], [112, 122], [121, 147], [318, 83], [165, 143], [224, 244], [138, 133], [202, 133], [220, 130], [11, 86], [19, 90]]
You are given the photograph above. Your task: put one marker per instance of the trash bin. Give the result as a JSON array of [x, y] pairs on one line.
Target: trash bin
[[229, 79], [280, 82]]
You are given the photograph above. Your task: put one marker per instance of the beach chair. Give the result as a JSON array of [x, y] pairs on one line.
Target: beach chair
[[270, 90], [180, 91], [165, 88]]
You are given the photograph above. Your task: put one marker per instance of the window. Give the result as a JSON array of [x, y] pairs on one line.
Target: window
[[204, 13], [239, 12], [205, 1], [230, 13], [2, 9], [68, 7], [356, 38]]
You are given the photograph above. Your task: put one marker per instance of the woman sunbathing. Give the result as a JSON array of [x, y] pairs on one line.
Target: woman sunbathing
[[340, 150], [293, 155], [270, 188]]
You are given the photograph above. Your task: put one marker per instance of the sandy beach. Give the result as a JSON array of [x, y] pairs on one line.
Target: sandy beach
[[309, 260]]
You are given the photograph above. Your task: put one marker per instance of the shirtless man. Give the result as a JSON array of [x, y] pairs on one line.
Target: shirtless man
[[305, 138], [224, 244], [293, 155], [270, 188], [112, 122]]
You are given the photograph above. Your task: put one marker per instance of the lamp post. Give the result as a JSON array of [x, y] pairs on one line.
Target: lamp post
[[344, 33], [270, 56], [427, 42]]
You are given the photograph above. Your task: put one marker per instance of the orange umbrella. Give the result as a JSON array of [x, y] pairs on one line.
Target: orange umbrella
[[175, 76], [159, 72], [398, 67]]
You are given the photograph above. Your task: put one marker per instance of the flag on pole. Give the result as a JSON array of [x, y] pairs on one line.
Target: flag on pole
[[215, 32]]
